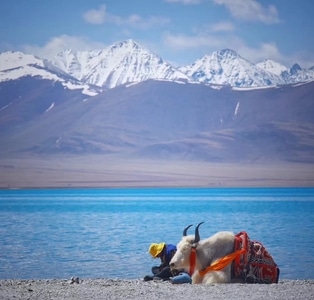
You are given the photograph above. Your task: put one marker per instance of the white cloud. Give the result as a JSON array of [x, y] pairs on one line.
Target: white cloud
[[205, 40], [264, 51], [101, 16], [183, 42], [303, 58], [60, 43], [250, 10], [137, 21], [271, 51], [4, 46], [222, 27], [185, 1], [95, 16], [206, 43]]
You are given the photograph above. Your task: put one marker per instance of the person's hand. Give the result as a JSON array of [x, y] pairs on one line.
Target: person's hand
[[175, 272]]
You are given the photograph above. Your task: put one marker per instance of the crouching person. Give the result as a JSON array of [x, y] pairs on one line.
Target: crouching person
[[165, 252]]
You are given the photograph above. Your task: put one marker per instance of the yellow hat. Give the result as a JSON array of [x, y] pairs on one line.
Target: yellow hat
[[155, 249]]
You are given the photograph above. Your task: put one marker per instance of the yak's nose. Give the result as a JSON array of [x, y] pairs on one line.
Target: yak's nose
[[171, 265]]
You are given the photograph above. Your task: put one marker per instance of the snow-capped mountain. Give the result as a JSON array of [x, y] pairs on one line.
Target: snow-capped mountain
[[226, 67], [118, 64], [296, 74], [293, 75], [15, 65], [272, 66], [128, 62]]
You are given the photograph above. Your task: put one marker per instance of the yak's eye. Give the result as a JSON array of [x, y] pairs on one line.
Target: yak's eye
[[186, 248]]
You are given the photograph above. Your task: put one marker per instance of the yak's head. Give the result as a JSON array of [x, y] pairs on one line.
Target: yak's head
[[181, 260]]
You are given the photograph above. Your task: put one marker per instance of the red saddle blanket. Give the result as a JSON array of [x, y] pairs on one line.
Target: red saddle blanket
[[256, 265]]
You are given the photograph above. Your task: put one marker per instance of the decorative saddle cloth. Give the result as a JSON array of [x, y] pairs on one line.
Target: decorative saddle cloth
[[255, 265]]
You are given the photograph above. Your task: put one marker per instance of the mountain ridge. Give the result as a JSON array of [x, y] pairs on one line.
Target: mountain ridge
[[226, 67], [152, 110], [128, 62], [161, 120]]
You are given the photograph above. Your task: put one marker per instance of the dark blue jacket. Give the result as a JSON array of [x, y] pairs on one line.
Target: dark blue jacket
[[168, 253]]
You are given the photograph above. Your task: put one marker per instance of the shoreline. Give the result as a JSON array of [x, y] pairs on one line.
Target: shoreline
[[138, 289], [88, 172]]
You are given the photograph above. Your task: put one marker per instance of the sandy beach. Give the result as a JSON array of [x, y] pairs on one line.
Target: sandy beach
[[92, 172], [138, 289]]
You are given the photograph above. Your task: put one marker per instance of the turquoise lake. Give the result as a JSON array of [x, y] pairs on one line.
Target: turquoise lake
[[105, 233]]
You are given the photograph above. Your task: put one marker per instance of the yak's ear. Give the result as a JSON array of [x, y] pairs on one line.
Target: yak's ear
[[194, 245]]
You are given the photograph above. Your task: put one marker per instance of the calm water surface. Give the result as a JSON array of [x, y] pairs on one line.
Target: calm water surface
[[105, 233]]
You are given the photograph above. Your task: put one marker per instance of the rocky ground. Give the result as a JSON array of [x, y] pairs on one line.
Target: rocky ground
[[138, 289]]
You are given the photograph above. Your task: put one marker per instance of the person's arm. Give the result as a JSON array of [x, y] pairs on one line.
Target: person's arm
[[163, 259], [167, 256], [169, 253], [163, 263]]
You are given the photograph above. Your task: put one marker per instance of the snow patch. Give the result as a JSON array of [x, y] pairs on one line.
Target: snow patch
[[215, 87], [302, 83], [131, 84], [86, 91], [236, 109], [253, 88], [179, 82], [50, 107], [6, 106]]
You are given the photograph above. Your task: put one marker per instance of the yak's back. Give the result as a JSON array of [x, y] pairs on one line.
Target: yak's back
[[256, 265], [219, 244]]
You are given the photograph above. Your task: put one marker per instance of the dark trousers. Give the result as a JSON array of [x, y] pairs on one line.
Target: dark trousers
[[165, 273]]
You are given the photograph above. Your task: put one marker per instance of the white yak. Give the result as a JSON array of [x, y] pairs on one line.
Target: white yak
[[223, 258], [206, 252]]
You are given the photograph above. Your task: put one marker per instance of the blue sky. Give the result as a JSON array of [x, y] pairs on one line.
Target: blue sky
[[180, 31]]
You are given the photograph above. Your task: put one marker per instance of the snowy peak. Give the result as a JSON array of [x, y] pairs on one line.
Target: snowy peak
[[229, 68], [296, 74], [293, 75], [295, 69], [11, 60], [15, 65], [226, 54], [272, 66], [69, 62], [115, 65], [128, 45]]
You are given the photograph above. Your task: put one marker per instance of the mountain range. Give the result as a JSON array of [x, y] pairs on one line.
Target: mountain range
[[127, 62], [126, 102]]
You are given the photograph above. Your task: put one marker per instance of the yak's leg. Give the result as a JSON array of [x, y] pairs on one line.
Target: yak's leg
[[197, 278], [223, 276]]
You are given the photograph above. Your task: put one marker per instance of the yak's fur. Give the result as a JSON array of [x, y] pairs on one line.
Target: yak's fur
[[207, 251]]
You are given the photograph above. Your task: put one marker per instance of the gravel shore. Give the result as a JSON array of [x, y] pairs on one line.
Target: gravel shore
[[138, 289]]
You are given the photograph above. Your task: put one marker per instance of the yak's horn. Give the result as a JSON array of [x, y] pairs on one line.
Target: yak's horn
[[186, 229], [197, 234]]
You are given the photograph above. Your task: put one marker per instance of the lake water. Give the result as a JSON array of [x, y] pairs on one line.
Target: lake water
[[105, 233]]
